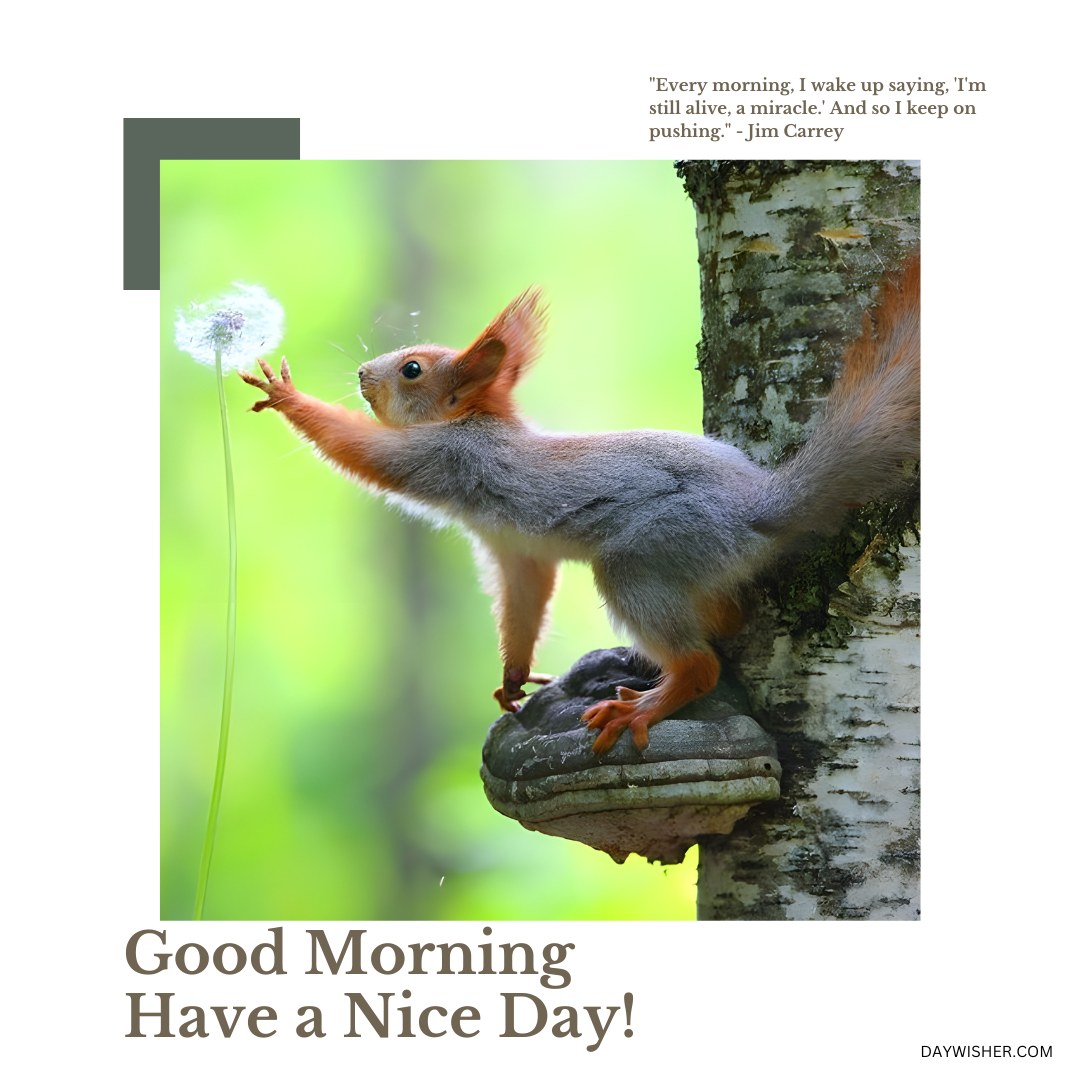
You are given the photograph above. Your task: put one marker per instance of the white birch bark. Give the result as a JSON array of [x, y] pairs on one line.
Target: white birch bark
[[791, 255]]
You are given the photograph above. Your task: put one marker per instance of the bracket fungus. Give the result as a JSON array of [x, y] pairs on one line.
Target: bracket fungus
[[703, 770]]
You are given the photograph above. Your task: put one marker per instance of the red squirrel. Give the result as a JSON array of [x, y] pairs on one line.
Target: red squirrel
[[675, 526]]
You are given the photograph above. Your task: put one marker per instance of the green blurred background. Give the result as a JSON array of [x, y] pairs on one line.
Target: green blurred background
[[367, 653]]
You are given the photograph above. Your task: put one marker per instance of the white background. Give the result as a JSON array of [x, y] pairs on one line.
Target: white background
[[550, 81]]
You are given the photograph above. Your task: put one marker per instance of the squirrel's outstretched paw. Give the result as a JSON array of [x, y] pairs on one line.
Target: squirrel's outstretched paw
[[277, 390]]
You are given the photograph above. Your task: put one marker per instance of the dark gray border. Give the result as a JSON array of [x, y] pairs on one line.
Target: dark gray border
[[148, 142]]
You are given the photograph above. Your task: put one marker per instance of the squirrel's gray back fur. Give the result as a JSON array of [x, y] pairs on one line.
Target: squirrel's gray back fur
[[669, 511]]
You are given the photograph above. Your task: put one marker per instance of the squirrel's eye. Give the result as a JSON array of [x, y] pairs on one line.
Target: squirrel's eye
[[411, 370]]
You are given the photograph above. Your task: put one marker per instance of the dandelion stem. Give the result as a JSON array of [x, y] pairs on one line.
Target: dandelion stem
[[230, 656]]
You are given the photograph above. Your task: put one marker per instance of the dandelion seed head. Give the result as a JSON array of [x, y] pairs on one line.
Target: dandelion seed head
[[225, 326], [241, 325]]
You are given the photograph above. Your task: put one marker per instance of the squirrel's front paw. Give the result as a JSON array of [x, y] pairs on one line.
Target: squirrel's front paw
[[278, 391], [512, 689]]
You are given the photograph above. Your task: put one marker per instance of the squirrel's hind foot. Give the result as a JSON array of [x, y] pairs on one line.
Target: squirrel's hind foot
[[684, 678], [612, 717]]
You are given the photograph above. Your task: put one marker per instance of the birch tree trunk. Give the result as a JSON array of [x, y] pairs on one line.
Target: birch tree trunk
[[791, 256]]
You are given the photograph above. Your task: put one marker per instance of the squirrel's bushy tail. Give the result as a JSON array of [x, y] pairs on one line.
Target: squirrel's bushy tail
[[870, 424]]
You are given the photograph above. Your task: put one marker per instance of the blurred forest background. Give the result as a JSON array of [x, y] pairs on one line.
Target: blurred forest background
[[367, 653]]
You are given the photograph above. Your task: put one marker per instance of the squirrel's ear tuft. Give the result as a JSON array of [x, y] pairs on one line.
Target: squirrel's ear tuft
[[481, 362], [495, 361], [520, 326]]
